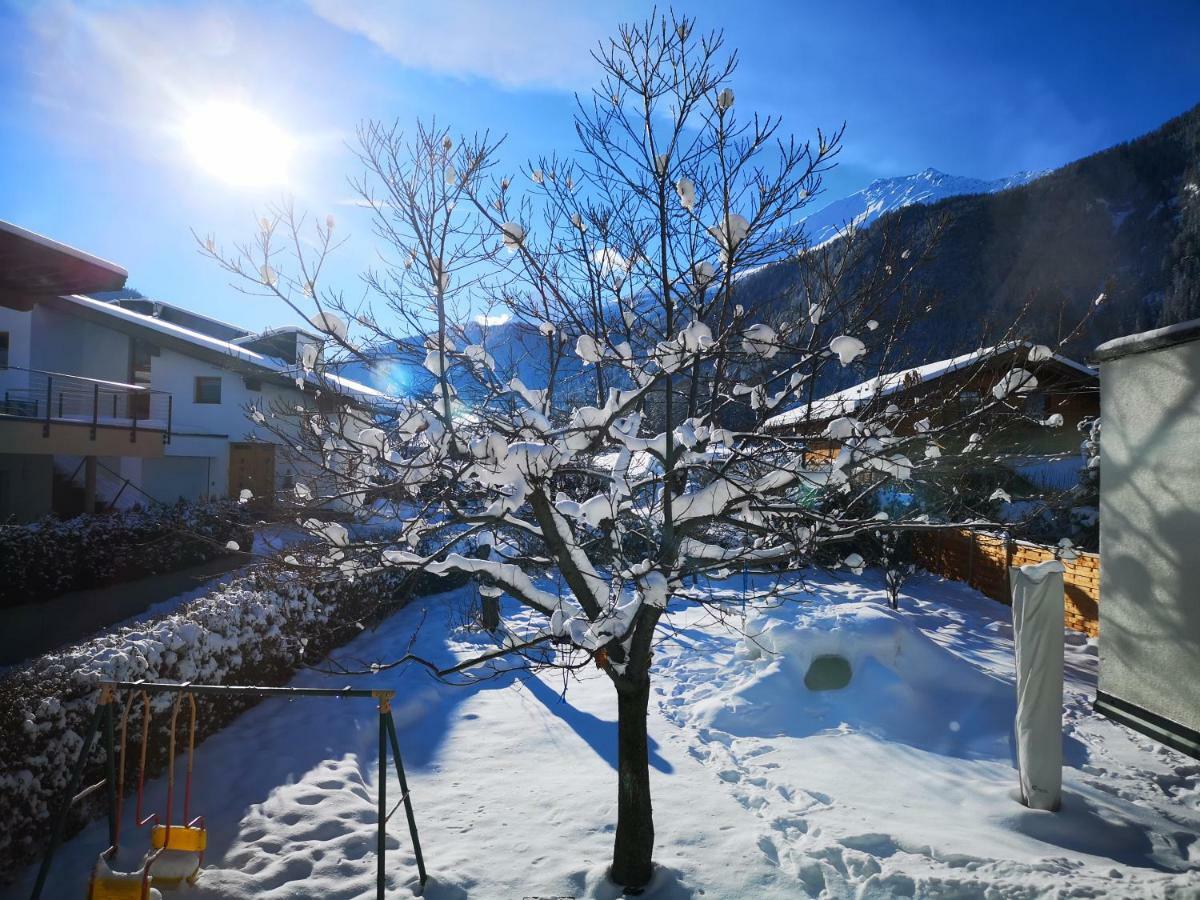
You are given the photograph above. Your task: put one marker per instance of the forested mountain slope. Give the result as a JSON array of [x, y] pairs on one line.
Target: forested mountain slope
[[1124, 222]]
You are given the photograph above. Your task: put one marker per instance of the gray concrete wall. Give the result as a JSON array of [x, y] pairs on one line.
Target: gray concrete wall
[[1150, 531], [26, 486], [74, 346], [174, 478]]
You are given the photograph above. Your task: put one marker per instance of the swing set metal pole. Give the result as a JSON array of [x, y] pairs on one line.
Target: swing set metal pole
[[384, 712], [408, 809], [242, 690], [103, 717], [110, 774]]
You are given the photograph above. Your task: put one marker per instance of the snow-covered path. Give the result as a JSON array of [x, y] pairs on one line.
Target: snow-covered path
[[897, 785]]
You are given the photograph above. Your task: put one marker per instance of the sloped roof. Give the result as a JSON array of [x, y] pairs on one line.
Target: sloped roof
[[849, 400], [120, 316], [170, 312], [33, 265]]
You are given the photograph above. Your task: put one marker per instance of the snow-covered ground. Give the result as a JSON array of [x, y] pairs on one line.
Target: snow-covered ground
[[900, 784]]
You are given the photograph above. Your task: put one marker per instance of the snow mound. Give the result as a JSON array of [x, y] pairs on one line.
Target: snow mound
[[903, 686]]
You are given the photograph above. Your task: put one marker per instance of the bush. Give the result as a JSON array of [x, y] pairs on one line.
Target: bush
[[43, 559], [257, 630]]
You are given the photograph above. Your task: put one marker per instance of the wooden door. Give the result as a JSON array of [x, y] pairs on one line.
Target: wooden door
[[252, 467]]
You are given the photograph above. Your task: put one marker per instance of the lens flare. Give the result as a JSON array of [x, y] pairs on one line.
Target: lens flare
[[238, 145]]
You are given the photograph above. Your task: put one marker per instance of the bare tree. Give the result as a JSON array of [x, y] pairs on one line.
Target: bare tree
[[593, 386]]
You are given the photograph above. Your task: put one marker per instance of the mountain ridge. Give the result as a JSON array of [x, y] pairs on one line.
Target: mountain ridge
[[1122, 223], [885, 195]]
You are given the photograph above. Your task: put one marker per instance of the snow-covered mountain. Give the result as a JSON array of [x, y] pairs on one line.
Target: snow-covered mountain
[[887, 194]]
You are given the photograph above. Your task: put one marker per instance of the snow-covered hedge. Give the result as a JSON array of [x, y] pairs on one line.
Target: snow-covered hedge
[[256, 630], [52, 556]]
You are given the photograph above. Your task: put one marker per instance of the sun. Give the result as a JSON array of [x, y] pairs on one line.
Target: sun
[[238, 145]]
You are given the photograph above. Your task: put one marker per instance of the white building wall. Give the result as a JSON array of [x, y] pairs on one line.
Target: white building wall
[[176, 373], [73, 346], [276, 397], [1150, 531], [205, 430], [47, 340], [196, 462]]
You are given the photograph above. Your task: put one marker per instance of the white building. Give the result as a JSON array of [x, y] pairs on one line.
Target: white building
[[1150, 533], [128, 398]]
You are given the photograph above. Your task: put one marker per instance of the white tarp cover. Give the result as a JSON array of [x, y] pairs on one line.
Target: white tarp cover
[[1037, 606]]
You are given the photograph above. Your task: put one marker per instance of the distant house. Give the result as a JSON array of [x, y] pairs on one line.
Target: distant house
[[1150, 534], [116, 399], [949, 390]]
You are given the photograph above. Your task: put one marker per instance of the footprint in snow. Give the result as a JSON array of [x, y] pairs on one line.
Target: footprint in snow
[[769, 850]]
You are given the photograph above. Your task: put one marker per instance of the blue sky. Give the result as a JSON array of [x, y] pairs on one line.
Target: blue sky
[[92, 96]]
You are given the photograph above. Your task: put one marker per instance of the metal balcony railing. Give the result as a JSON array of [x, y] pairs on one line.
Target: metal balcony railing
[[53, 397]]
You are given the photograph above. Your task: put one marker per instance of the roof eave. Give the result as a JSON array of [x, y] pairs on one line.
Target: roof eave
[[1147, 341], [128, 321]]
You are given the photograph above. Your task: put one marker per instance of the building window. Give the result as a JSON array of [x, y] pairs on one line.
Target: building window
[[3, 349], [208, 389], [1035, 405]]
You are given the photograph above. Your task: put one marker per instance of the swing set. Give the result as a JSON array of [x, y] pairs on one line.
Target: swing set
[[181, 845]]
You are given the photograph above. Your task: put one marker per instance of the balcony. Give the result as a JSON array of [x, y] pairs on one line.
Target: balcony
[[50, 412]]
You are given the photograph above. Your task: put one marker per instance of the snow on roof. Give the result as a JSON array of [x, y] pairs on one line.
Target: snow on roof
[[217, 345], [1157, 339], [278, 329], [133, 299], [849, 400]]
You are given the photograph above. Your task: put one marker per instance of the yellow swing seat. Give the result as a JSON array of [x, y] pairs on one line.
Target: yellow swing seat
[[106, 884], [188, 838], [177, 853]]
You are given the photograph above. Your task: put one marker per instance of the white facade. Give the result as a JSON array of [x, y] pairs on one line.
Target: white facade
[[97, 339], [1150, 534], [202, 432]]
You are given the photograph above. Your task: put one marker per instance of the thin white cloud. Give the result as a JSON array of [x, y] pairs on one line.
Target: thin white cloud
[[493, 319], [122, 64], [534, 44], [122, 80]]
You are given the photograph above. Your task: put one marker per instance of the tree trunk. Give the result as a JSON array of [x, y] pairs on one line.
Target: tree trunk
[[489, 613], [634, 847]]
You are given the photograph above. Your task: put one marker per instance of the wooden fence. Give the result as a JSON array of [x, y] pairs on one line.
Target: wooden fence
[[982, 561]]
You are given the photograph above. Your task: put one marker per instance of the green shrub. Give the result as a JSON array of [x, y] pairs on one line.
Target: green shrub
[[41, 560]]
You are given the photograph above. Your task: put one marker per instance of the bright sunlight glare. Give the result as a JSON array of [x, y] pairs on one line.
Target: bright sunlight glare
[[238, 144]]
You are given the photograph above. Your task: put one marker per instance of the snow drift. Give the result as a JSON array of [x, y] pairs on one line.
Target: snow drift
[[903, 686]]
